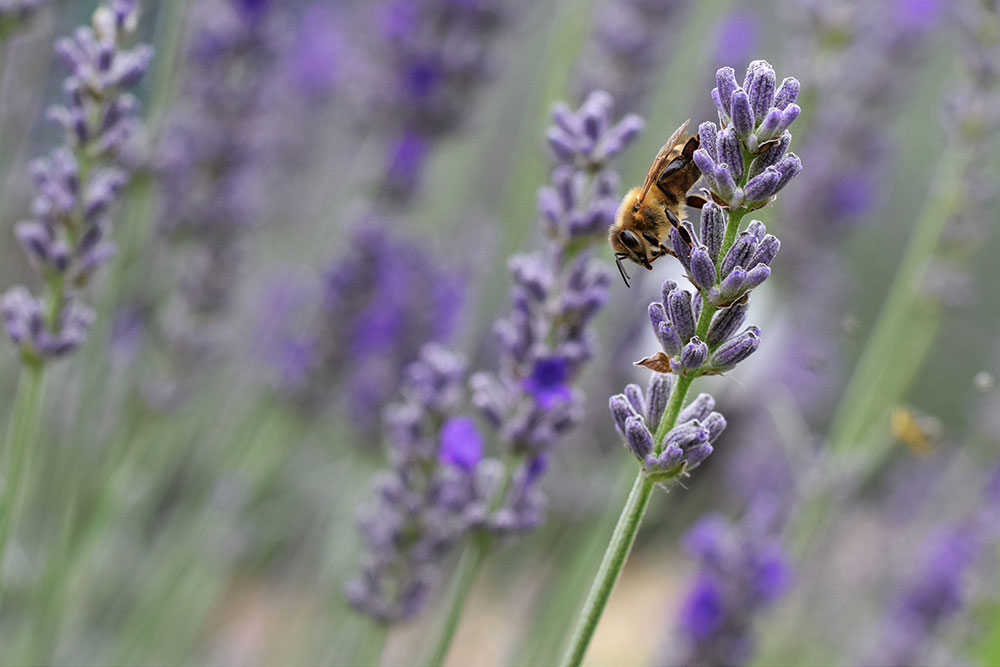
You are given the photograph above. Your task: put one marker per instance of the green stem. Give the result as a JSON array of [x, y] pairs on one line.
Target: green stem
[[468, 567], [623, 536], [610, 569], [22, 432]]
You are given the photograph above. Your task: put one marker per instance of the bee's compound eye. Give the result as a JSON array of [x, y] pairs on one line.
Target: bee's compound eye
[[630, 241]]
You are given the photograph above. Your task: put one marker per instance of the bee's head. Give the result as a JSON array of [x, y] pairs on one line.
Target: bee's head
[[628, 242]]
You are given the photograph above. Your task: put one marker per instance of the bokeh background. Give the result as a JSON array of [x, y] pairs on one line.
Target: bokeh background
[[320, 188]]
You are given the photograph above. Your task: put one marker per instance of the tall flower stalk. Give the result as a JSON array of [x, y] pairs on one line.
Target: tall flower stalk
[[67, 240], [440, 490], [745, 163]]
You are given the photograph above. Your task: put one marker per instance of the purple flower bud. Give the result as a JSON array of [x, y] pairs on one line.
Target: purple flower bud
[[725, 186], [705, 162], [732, 285], [635, 398], [669, 339], [696, 455], [681, 315], [621, 410], [770, 127], [788, 116], [720, 107], [561, 144], [756, 276], [742, 114], [739, 254], [725, 80], [770, 155], [736, 349], [687, 434], [657, 315], [638, 437], [713, 229], [762, 186], [708, 133], [681, 247], [766, 251], [698, 409], [728, 150], [657, 395], [787, 93], [666, 287], [725, 323], [702, 268], [669, 458], [36, 239], [461, 444], [693, 354], [618, 137], [715, 424], [761, 87], [788, 168]]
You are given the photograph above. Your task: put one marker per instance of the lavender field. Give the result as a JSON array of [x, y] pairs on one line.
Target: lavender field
[[363, 332]]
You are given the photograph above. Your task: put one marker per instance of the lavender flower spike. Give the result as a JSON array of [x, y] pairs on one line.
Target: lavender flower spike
[[435, 490], [440, 489], [755, 118], [697, 331], [67, 240]]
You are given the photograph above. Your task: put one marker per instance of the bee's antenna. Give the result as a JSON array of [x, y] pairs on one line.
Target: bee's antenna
[[619, 256]]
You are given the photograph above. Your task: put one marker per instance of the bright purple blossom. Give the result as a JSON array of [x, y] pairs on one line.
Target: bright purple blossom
[[461, 443]]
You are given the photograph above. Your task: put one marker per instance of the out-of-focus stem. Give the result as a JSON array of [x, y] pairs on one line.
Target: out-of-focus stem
[[882, 375], [469, 564], [22, 432]]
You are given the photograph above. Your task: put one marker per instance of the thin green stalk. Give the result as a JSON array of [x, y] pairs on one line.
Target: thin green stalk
[[864, 400], [469, 564], [881, 376], [610, 569], [22, 432], [625, 531], [623, 536]]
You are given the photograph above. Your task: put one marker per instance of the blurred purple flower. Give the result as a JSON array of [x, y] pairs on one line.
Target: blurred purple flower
[[381, 302], [420, 509], [736, 36], [215, 150], [461, 443], [703, 610], [932, 598], [528, 403], [546, 339], [548, 382], [319, 54], [629, 40], [417, 73], [742, 570]]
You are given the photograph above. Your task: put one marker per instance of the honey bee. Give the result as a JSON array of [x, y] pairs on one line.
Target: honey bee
[[641, 228]]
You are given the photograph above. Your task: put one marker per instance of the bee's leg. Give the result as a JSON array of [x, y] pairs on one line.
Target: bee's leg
[[694, 201], [680, 173], [690, 147]]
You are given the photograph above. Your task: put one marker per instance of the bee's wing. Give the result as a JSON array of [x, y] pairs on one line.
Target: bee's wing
[[661, 160]]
